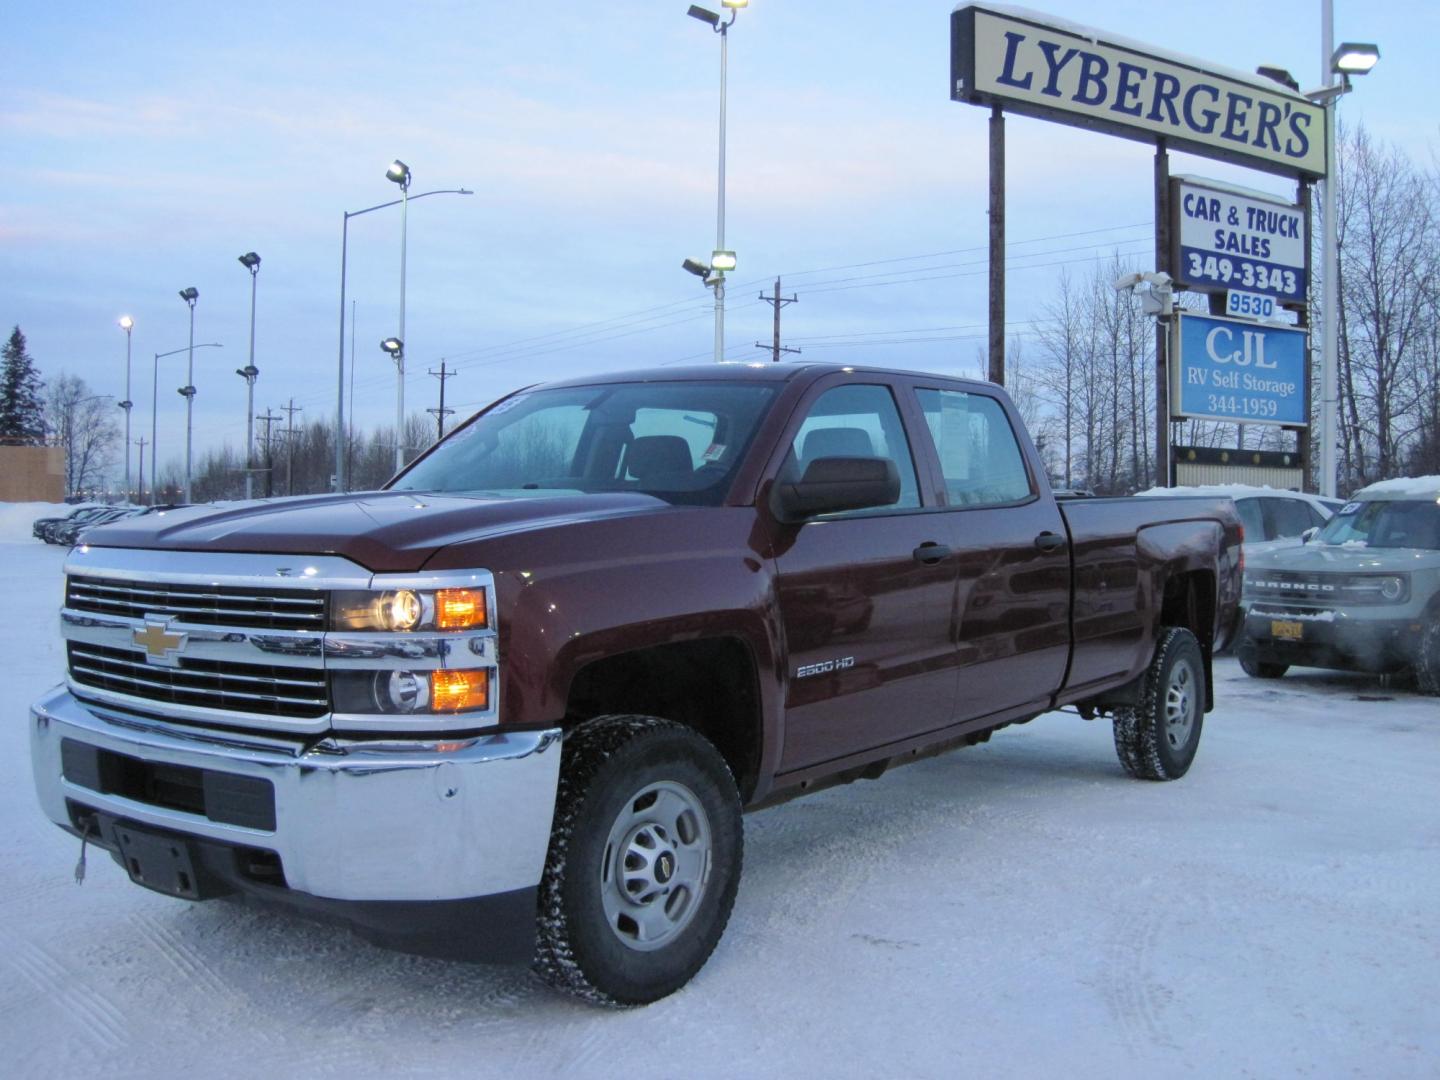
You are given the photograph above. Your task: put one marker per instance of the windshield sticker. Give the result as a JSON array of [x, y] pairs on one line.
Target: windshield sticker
[[714, 452], [1349, 508], [507, 405]]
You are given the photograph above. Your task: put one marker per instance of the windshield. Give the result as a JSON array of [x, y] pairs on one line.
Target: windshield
[[1385, 525], [679, 441]]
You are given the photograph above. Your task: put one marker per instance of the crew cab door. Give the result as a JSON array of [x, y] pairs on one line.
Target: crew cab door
[[1011, 553], [865, 596]]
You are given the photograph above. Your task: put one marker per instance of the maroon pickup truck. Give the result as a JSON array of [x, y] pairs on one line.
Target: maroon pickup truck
[[513, 706]]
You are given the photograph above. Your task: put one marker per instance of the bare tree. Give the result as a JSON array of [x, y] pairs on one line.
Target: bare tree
[[80, 423]]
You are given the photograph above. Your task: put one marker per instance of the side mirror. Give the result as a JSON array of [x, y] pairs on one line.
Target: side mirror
[[1310, 534], [832, 485]]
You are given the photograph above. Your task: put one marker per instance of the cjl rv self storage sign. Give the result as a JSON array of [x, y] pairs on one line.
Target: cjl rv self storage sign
[[1238, 371], [1228, 240]]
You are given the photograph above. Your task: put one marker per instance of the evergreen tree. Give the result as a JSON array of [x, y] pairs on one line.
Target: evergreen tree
[[22, 413]]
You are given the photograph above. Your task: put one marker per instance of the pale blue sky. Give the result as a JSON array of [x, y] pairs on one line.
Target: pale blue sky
[[151, 144]]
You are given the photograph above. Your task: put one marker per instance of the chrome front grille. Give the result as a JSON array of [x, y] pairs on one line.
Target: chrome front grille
[[296, 692], [205, 605]]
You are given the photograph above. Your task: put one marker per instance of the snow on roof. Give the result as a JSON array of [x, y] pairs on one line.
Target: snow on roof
[[1233, 490], [1091, 34], [1414, 487]]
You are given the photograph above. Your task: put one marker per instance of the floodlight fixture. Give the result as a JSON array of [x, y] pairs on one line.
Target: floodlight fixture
[[722, 261], [392, 345], [398, 172], [1354, 58], [250, 261], [696, 267], [127, 323], [190, 295], [1279, 75], [698, 12], [734, 3]]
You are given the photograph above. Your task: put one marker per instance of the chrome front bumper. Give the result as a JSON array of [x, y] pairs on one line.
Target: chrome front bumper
[[353, 820]]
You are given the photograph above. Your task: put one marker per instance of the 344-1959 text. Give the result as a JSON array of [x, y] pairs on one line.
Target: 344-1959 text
[[1236, 405]]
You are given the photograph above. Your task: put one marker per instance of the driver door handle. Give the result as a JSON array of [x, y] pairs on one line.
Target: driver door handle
[[930, 553], [1049, 541]]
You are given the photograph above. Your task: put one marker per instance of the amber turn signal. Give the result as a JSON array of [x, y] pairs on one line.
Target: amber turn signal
[[459, 609], [452, 691]]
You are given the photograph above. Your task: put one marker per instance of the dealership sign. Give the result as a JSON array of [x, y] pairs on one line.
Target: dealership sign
[[1228, 240], [1077, 76], [1238, 371]]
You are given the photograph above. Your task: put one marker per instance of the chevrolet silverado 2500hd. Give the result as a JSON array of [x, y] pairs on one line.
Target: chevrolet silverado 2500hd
[[512, 706]]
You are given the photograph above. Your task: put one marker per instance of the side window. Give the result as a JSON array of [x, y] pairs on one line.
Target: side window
[[979, 455], [857, 421], [1291, 517], [1250, 518]]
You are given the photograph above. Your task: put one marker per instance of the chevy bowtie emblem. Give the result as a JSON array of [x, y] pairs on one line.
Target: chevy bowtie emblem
[[161, 644]]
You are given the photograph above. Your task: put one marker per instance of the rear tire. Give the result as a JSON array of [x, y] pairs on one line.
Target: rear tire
[[644, 861], [1156, 738]]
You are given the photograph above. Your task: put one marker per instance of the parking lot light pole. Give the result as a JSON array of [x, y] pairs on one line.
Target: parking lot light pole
[[127, 324], [251, 262], [340, 435], [155, 401], [189, 295]]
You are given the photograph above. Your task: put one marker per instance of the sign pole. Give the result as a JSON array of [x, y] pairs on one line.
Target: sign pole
[[1162, 326], [1303, 439], [997, 245]]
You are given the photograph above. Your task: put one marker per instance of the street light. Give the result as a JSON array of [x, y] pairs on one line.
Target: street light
[[340, 439], [187, 391], [399, 173], [251, 262], [155, 400], [717, 281], [1349, 59], [396, 348], [127, 324]]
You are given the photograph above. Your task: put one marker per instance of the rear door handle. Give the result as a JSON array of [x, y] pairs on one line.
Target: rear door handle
[[930, 553], [1049, 541]]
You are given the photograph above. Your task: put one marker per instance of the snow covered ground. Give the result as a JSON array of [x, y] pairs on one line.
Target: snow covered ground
[[1017, 909]]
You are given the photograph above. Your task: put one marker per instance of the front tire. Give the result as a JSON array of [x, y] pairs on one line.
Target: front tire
[[1252, 665], [1156, 738], [1427, 665], [644, 861]]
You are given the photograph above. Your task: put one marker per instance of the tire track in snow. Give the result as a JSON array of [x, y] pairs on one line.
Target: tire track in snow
[[188, 963], [1134, 996], [96, 1017]]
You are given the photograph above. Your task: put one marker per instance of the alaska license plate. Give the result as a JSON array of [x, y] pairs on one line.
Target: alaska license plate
[[1287, 629]]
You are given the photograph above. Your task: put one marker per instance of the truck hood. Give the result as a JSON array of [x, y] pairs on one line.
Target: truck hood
[[1356, 558], [383, 531]]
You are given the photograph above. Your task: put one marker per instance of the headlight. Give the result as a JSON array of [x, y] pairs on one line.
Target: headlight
[[1377, 588], [444, 691], [410, 609]]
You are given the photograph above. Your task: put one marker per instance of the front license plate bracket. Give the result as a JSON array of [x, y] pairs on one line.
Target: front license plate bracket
[[1287, 629], [156, 860]]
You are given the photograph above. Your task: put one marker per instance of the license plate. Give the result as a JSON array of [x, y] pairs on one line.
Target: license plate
[[156, 860], [1287, 629]]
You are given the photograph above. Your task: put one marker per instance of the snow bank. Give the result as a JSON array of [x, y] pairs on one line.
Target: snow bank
[[16, 519]]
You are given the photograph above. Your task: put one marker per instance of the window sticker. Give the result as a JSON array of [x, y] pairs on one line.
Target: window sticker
[[506, 405], [1349, 508], [714, 452]]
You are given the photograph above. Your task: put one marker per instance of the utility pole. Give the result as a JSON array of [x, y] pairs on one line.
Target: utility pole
[[140, 494], [268, 419], [777, 302], [290, 411], [442, 411]]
